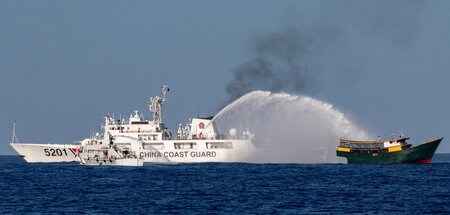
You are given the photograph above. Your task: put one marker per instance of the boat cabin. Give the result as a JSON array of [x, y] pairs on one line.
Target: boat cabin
[[373, 146]]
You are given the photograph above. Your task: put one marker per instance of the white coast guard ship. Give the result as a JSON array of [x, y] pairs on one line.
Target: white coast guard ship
[[138, 141]]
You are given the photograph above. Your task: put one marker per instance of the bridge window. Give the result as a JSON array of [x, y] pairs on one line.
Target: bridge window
[[185, 145], [219, 145]]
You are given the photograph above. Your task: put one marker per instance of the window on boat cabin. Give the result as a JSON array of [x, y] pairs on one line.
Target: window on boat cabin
[[185, 145], [344, 144], [153, 145], [93, 153], [373, 145], [362, 145], [148, 137], [140, 122], [219, 145]]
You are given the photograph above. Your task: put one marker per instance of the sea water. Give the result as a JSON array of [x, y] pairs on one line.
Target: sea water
[[225, 188]]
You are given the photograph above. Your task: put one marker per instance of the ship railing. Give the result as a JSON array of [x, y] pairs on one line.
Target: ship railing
[[430, 140]]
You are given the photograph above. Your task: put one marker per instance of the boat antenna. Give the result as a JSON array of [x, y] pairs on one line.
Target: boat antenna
[[14, 136], [164, 90]]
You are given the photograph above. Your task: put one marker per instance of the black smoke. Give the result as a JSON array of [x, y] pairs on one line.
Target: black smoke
[[328, 43], [277, 65]]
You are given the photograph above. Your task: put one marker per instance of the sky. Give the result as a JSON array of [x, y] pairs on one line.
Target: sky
[[64, 65]]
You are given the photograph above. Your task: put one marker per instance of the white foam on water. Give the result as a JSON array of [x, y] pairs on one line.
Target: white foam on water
[[289, 128]]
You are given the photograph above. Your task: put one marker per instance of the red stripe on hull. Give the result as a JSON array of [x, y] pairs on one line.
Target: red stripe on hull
[[423, 161]]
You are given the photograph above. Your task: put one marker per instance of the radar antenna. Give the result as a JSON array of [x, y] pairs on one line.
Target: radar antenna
[[164, 90], [156, 103]]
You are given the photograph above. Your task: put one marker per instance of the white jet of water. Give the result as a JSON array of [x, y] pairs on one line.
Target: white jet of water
[[289, 128]]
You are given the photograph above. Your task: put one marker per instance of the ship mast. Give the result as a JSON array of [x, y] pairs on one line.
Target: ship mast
[[14, 137], [156, 103]]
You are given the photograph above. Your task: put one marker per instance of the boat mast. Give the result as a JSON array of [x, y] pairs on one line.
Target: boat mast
[[13, 139], [156, 105]]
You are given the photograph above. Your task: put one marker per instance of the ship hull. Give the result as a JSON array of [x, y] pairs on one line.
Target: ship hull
[[50, 153], [422, 153], [46, 153]]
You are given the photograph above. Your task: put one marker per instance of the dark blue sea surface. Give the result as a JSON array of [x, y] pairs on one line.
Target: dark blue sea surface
[[225, 188]]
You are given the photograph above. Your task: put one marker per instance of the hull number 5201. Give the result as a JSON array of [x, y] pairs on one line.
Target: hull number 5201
[[55, 152]]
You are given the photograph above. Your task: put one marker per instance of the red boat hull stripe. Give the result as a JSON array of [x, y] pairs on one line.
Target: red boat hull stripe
[[423, 161]]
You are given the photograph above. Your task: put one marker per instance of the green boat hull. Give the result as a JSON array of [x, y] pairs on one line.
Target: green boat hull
[[422, 153]]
